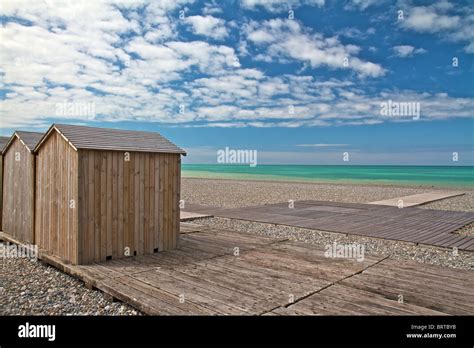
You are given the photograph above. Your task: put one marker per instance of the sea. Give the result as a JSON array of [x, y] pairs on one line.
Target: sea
[[439, 176]]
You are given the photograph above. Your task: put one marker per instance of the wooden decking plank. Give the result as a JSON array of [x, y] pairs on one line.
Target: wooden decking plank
[[342, 306], [292, 310], [215, 250], [423, 270], [225, 240], [365, 303], [180, 256], [413, 228], [393, 289], [331, 269], [462, 242], [217, 275], [418, 199], [404, 228], [235, 283], [250, 293], [159, 301], [220, 247], [205, 295], [129, 265], [377, 303], [426, 267], [408, 224], [317, 303], [446, 239], [467, 242], [104, 272], [272, 283], [310, 252], [431, 287], [293, 253], [189, 252], [449, 242], [244, 237], [435, 239], [287, 277]]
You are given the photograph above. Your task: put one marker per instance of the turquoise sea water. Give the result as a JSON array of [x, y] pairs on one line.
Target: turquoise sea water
[[398, 175]]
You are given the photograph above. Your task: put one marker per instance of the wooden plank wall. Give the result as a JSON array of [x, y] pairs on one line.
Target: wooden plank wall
[[18, 192], [127, 206], [57, 198], [1, 191]]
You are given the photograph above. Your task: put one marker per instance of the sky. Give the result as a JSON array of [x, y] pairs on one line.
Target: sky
[[299, 81]]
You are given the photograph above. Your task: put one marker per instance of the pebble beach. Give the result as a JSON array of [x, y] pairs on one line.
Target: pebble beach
[[33, 288], [236, 193]]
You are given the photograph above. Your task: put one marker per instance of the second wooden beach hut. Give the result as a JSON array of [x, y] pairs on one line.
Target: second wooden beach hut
[[106, 193]]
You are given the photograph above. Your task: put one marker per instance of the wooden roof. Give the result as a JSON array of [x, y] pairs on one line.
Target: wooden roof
[[94, 138], [3, 142], [28, 139]]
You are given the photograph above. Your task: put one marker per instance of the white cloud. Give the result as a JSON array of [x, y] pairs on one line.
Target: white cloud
[[288, 39], [211, 59], [208, 26], [261, 36], [454, 23], [280, 5], [407, 51], [211, 8], [425, 19], [231, 99], [362, 4], [355, 33]]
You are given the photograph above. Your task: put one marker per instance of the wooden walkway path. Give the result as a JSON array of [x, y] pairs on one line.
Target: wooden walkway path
[[416, 225], [220, 272], [418, 199]]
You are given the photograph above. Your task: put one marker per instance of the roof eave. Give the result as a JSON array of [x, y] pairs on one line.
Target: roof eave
[[10, 142], [180, 152], [48, 133]]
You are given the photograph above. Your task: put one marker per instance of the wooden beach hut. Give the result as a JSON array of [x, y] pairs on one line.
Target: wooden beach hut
[[3, 142], [106, 193], [18, 206]]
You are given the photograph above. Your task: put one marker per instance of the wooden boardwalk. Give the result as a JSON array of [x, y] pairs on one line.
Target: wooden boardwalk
[[416, 225], [220, 272], [418, 199]]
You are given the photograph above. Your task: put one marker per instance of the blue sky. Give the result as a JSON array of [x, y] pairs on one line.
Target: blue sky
[[300, 81]]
